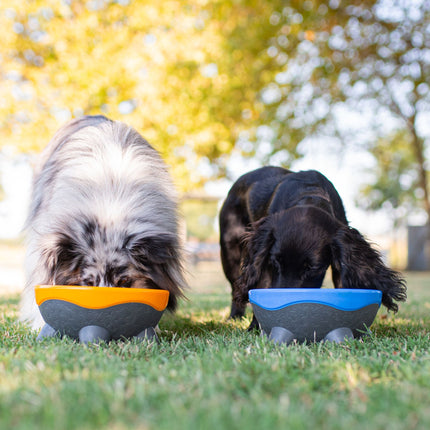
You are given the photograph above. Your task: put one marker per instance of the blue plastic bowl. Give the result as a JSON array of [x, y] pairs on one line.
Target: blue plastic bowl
[[288, 314]]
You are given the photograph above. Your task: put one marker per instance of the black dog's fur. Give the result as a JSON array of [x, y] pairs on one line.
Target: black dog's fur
[[284, 229]]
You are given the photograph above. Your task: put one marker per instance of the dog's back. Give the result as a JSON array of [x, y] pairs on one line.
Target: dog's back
[[308, 188], [271, 189], [98, 162]]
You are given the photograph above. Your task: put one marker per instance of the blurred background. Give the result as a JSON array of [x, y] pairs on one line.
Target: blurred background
[[221, 87]]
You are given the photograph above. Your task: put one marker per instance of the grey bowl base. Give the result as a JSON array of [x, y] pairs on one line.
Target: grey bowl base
[[314, 322], [96, 334], [123, 321]]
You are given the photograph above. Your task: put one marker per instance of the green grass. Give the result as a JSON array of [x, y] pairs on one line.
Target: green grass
[[207, 373]]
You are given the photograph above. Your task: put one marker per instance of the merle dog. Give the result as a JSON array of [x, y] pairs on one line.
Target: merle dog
[[281, 229], [103, 213]]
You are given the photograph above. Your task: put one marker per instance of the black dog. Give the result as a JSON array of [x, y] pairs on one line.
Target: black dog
[[284, 229]]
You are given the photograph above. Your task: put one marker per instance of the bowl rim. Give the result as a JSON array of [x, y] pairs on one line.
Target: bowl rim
[[101, 297], [347, 299]]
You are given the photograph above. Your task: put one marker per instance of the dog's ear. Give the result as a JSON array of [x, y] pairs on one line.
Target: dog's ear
[[361, 266], [257, 243], [154, 249], [157, 257], [61, 258]]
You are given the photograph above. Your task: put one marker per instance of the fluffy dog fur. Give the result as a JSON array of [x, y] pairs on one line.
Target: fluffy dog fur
[[103, 213], [284, 229]]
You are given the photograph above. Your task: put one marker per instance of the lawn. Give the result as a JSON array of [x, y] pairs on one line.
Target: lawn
[[207, 373]]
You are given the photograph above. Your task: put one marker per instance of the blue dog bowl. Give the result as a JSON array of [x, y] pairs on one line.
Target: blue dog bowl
[[312, 315]]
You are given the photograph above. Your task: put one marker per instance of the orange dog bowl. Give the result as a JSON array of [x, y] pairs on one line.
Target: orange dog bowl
[[93, 314]]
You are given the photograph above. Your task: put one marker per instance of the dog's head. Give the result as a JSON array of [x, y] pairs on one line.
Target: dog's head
[[289, 249], [294, 248], [86, 253]]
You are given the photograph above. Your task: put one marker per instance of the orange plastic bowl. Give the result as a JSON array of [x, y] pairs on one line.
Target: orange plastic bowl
[[92, 314]]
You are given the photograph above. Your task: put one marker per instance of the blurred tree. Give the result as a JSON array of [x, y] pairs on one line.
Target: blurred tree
[[368, 60], [394, 178], [201, 79], [200, 213], [169, 69]]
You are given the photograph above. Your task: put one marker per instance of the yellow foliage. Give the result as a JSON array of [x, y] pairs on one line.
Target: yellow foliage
[[167, 68], [137, 62]]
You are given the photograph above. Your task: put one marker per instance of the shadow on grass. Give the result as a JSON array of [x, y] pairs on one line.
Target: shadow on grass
[[190, 326], [405, 323]]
